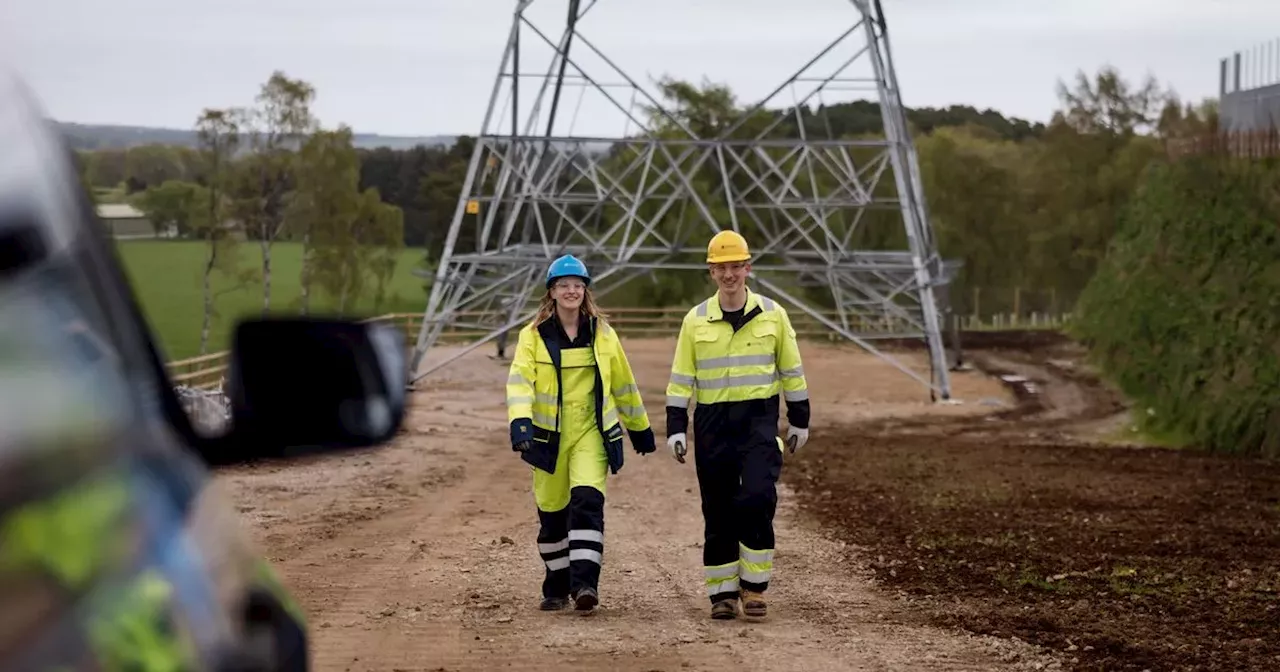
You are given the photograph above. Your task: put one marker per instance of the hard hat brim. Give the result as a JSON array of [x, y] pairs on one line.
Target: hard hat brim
[[728, 258]]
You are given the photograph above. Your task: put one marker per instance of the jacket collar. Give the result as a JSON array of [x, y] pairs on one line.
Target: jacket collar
[[550, 327], [715, 314]]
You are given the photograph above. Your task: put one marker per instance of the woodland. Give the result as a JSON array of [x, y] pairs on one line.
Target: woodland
[[1164, 257]]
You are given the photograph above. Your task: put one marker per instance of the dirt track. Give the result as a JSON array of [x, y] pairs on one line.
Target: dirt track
[[421, 556]]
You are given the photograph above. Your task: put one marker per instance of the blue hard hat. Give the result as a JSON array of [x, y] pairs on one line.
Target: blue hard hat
[[567, 266]]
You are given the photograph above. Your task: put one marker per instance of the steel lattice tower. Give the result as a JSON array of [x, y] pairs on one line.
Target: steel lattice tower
[[649, 197]]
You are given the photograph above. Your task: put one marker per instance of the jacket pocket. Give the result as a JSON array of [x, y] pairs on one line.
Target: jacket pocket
[[765, 332], [545, 450]]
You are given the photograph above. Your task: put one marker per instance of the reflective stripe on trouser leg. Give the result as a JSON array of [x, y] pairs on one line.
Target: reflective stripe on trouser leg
[[553, 548], [586, 537], [722, 581], [755, 568]]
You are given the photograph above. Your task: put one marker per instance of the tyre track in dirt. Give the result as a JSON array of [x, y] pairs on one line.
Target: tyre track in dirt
[[437, 569]]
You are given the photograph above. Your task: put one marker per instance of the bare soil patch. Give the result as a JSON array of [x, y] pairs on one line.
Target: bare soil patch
[[1021, 523]]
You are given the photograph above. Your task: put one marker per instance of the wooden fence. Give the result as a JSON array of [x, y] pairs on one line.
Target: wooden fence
[[208, 371], [204, 372]]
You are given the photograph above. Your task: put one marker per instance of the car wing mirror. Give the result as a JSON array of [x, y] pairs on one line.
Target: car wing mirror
[[302, 385]]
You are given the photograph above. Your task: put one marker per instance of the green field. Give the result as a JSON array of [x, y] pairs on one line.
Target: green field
[[166, 277]]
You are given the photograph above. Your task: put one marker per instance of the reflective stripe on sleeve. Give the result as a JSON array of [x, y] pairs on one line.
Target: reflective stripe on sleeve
[[623, 390], [630, 410]]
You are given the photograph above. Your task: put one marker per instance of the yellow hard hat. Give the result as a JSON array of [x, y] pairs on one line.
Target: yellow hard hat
[[727, 246]]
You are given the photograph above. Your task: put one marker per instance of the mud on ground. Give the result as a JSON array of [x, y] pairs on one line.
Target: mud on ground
[[901, 526], [1025, 523], [422, 555]]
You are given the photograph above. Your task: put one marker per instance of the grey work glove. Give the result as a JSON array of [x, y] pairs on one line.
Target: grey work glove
[[679, 446], [797, 437]]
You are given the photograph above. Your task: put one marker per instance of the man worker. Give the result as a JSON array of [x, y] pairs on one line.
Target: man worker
[[737, 350]]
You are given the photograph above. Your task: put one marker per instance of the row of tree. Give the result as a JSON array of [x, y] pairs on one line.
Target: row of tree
[[1021, 204], [265, 173], [1041, 212]]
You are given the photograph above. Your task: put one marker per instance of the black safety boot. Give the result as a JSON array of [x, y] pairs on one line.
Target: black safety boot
[[724, 610], [585, 599], [554, 603]]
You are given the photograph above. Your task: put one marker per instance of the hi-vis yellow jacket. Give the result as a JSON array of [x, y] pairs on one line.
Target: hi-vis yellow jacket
[[716, 365], [534, 393]]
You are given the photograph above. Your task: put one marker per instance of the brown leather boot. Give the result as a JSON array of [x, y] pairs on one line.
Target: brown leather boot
[[753, 604], [724, 610]]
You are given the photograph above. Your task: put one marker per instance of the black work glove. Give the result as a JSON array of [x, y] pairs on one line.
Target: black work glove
[[521, 434], [643, 441]]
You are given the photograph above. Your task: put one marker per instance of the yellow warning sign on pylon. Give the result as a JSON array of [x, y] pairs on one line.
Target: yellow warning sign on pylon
[[473, 207]]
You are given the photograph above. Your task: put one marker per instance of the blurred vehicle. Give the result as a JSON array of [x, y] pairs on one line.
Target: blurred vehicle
[[114, 553]]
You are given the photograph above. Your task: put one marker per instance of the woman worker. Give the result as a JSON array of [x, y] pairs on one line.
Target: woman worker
[[570, 391]]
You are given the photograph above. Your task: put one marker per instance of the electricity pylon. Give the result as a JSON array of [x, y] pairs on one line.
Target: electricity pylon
[[648, 198]]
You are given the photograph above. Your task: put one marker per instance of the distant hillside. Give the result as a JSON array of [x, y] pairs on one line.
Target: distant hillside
[[843, 118], [103, 136]]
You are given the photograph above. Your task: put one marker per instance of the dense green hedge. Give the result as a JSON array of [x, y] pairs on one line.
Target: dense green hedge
[[1184, 313]]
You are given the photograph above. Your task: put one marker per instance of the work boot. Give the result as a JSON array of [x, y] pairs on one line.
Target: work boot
[[585, 599], [553, 603], [725, 609], [753, 604]]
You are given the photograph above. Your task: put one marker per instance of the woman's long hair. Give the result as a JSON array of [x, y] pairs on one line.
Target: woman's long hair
[[547, 307]]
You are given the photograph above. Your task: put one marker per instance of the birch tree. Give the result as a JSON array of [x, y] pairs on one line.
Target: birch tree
[[219, 137], [364, 248], [279, 125], [326, 199]]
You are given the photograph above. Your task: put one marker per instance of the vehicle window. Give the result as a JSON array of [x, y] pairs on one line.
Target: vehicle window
[[59, 374]]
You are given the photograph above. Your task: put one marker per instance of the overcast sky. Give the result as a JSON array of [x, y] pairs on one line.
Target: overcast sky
[[424, 67]]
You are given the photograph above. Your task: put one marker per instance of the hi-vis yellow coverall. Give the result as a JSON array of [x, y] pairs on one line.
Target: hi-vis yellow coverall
[[738, 365], [571, 398]]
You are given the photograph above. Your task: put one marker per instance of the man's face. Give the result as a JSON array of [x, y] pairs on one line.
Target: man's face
[[732, 276]]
